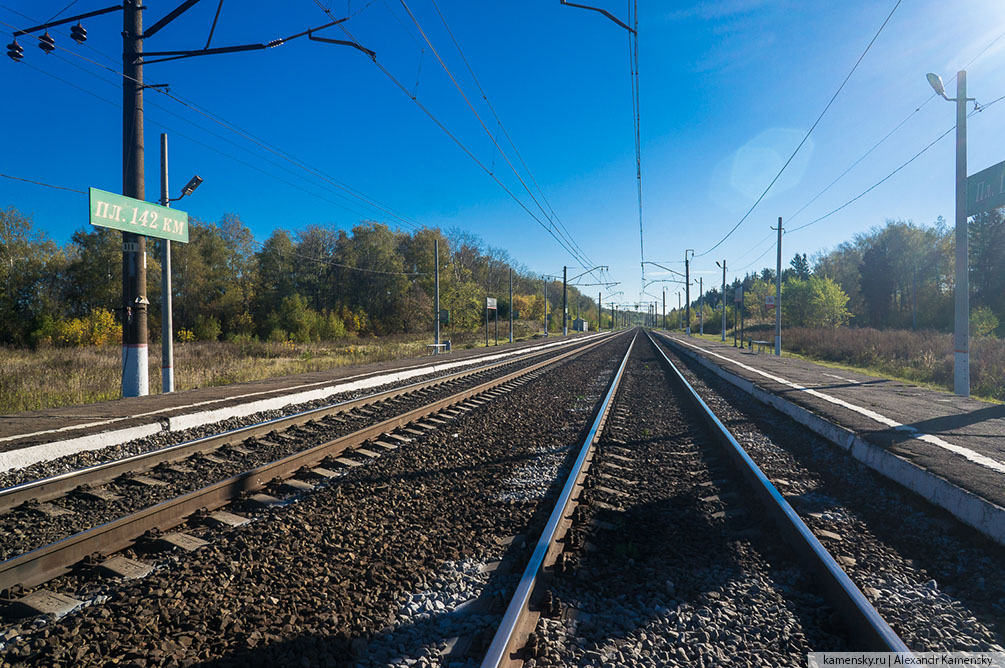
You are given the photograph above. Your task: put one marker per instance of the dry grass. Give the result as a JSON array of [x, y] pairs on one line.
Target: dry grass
[[923, 357], [51, 377]]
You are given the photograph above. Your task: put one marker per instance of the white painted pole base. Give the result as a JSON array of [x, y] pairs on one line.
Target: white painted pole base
[[961, 374], [135, 376]]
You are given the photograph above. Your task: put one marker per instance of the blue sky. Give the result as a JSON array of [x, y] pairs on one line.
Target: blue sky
[[728, 89]]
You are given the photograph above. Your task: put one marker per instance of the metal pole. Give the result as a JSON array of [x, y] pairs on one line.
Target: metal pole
[[778, 292], [495, 322], [546, 308], [135, 381], [565, 303], [961, 336], [701, 306], [741, 316], [664, 308], [600, 314], [736, 307], [511, 305], [167, 330], [723, 301], [687, 292], [436, 294], [486, 322]]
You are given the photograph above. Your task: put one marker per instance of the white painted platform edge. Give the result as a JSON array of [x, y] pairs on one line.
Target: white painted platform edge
[[19, 458], [973, 510], [14, 459]]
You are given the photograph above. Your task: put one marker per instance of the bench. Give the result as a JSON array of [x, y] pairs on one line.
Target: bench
[[761, 345], [435, 348]]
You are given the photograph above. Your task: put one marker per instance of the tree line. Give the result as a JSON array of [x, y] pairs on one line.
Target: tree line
[[311, 284], [897, 276]]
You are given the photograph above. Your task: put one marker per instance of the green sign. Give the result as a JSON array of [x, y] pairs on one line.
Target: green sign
[[132, 215], [986, 190]]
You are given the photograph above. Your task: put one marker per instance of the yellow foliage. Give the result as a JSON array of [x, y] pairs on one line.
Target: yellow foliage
[[186, 336], [97, 328]]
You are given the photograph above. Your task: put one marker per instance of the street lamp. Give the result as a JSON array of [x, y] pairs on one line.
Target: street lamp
[[961, 335], [167, 326]]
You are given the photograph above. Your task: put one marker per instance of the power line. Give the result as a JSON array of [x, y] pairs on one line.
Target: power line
[[891, 132], [460, 90], [808, 132], [351, 192], [446, 131], [189, 137], [39, 183], [506, 134], [633, 61], [917, 155]]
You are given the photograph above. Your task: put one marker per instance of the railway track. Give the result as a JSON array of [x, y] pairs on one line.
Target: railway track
[[936, 581], [413, 557], [370, 567], [293, 449], [653, 553]]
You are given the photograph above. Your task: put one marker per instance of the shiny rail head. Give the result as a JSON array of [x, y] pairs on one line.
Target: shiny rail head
[[844, 594]]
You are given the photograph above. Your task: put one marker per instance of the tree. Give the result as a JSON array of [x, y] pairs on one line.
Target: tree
[[801, 266], [987, 261], [814, 302], [756, 299], [827, 304], [30, 271]]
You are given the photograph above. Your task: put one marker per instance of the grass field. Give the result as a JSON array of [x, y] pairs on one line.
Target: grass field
[[50, 377]]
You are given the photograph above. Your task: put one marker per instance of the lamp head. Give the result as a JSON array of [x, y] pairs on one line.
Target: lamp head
[[190, 187], [936, 81]]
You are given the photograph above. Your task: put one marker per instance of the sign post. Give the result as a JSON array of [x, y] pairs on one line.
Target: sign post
[[490, 304], [135, 216]]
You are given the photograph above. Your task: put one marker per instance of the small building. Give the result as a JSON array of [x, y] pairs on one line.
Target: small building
[[580, 325]]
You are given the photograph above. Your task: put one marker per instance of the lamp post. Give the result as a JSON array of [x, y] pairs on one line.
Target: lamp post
[[167, 328], [961, 334]]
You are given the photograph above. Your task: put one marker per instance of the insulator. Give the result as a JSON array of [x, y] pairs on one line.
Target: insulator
[[78, 33], [46, 42], [15, 51]]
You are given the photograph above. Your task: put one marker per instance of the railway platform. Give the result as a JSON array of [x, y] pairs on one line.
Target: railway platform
[[30, 437], [947, 448]]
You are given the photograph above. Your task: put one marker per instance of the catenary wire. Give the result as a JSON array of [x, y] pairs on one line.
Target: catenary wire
[[446, 131], [506, 134], [808, 132], [891, 174], [488, 132], [889, 134], [352, 192]]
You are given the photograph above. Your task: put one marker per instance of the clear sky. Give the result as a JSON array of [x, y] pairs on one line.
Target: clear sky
[[728, 89]]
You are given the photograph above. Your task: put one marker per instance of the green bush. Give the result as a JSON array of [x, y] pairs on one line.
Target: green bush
[[983, 321], [207, 328]]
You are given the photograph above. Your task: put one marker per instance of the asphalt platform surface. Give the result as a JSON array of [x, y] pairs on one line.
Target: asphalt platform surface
[[959, 439]]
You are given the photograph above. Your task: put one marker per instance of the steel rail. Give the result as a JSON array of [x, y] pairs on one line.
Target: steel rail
[[50, 561], [56, 486], [873, 631], [513, 629]]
